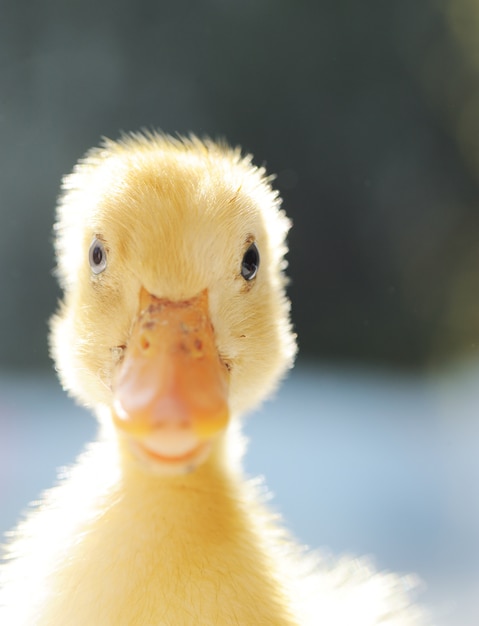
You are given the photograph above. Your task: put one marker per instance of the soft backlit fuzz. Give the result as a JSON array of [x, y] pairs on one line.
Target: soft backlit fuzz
[[113, 544]]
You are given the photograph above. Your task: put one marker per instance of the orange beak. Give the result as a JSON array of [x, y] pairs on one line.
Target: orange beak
[[170, 394]]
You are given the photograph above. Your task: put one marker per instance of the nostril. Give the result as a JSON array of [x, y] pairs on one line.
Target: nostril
[[197, 349], [144, 343]]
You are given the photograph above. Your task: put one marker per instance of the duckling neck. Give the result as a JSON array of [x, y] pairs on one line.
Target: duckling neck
[[173, 550]]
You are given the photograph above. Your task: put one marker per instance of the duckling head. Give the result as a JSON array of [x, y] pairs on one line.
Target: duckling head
[[174, 317]]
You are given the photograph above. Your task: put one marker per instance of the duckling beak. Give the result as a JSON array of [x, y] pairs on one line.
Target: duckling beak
[[170, 394]]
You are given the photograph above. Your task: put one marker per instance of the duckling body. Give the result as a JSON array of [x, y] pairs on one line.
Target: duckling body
[[156, 524], [129, 552]]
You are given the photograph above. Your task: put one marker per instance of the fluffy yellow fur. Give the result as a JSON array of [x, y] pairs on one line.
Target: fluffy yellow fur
[[112, 544]]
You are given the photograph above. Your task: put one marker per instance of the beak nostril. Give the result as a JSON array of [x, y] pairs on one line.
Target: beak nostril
[[144, 342], [197, 349]]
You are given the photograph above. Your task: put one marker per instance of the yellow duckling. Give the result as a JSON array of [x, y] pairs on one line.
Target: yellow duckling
[[174, 321]]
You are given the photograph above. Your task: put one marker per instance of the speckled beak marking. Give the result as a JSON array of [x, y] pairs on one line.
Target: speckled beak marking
[[171, 388]]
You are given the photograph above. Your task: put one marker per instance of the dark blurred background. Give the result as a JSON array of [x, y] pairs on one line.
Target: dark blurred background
[[367, 111]]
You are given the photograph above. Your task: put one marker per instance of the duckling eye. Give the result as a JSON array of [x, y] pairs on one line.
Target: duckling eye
[[97, 256], [250, 263]]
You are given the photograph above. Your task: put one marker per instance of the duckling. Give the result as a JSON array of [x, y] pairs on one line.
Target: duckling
[[174, 322]]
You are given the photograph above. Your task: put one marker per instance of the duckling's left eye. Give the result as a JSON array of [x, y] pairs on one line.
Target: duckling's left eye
[[250, 262], [97, 256]]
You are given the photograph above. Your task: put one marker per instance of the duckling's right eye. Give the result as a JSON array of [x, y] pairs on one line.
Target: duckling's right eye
[[250, 262], [97, 256]]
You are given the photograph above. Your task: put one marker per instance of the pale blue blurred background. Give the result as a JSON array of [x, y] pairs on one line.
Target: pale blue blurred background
[[360, 462]]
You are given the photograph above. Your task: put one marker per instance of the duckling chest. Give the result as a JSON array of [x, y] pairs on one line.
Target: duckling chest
[[183, 563]]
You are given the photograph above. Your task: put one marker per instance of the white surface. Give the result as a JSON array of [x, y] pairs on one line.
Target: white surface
[[360, 462]]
